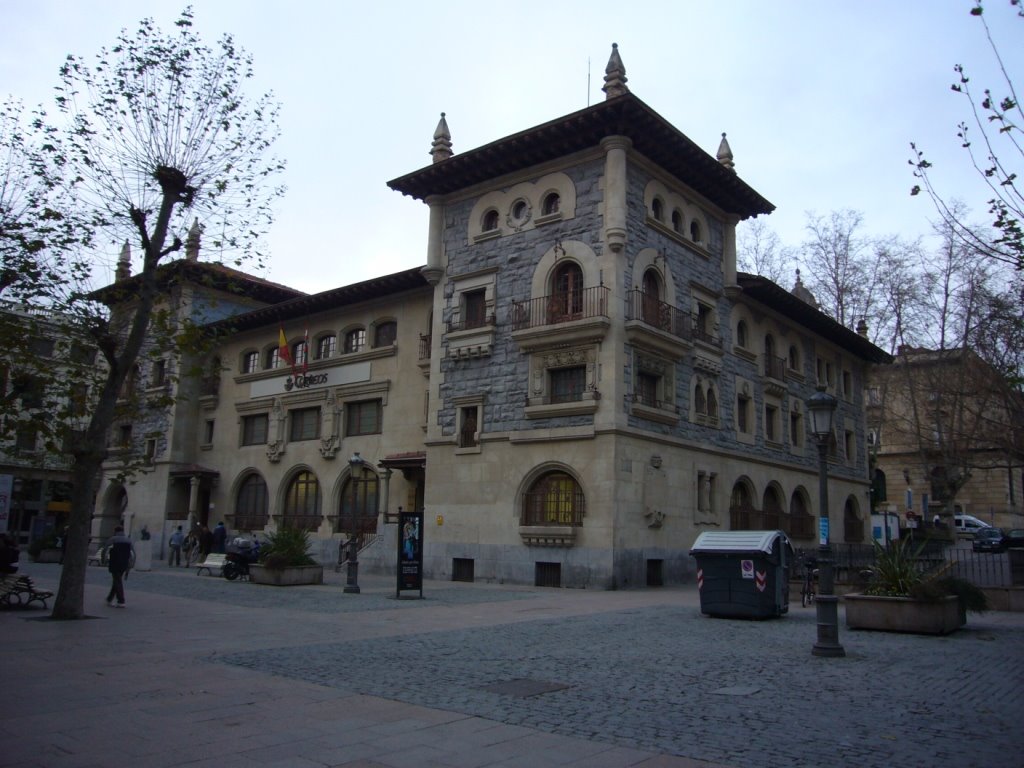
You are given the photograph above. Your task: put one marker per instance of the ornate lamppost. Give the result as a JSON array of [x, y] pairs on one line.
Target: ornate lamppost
[[822, 406], [357, 465]]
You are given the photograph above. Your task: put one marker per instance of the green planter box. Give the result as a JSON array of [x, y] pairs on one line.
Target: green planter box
[[287, 577], [903, 614]]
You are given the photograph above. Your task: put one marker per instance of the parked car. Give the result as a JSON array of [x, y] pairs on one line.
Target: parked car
[[968, 524], [989, 540], [1014, 537]]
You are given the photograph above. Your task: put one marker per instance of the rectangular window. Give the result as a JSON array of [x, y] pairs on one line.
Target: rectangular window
[[81, 354], [42, 347], [325, 347], [847, 384], [251, 362], [208, 432], [158, 375], [384, 334], [796, 430], [363, 418], [743, 414], [271, 358], [124, 436], [568, 384], [469, 429], [704, 327], [305, 424], [254, 429], [771, 430], [849, 445], [474, 308], [647, 388], [150, 450], [26, 439], [355, 340]]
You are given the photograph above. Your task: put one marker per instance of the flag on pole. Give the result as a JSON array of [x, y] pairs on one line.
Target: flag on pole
[[283, 351], [305, 355]]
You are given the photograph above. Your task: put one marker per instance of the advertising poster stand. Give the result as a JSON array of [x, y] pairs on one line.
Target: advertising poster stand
[[410, 553]]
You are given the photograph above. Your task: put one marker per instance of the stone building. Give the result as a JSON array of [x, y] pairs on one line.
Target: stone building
[[946, 434], [576, 384]]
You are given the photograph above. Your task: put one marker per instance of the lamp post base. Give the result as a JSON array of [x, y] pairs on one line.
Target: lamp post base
[[352, 576], [828, 627]]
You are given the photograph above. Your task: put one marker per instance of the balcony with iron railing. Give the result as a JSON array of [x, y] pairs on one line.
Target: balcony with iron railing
[[658, 325], [705, 334], [561, 318]]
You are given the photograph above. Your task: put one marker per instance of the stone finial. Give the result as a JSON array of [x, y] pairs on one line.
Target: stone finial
[[725, 154], [615, 75], [441, 147], [803, 293], [124, 263], [192, 241], [862, 327]]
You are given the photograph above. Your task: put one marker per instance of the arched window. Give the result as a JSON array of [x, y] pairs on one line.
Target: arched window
[[325, 346], [355, 340], [250, 361], [695, 233], [359, 493], [251, 504], [741, 333], [300, 353], [552, 204], [271, 357], [801, 524], [853, 527], [741, 507], [794, 358], [773, 511], [677, 221], [700, 403], [567, 296], [658, 209], [302, 502], [490, 223], [384, 334], [651, 297], [554, 499], [712, 403], [769, 346]]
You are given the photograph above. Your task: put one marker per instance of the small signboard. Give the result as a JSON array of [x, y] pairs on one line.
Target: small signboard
[[823, 531], [410, 552], [747, 569]]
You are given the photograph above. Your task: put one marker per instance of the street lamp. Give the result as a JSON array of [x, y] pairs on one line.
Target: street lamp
[[356, 464], [822, 406]]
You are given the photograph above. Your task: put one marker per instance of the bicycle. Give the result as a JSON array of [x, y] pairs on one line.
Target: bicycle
[[190, 550], [807, 591]]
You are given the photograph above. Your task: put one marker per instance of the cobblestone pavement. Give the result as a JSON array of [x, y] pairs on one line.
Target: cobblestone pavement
[[640, 671]]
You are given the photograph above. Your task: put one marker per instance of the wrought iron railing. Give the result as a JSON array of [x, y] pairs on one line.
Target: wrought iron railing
[[425, 340], [550, 507], [560, 308], [657, 314], [775, 367], [470, 323], [704, 335]]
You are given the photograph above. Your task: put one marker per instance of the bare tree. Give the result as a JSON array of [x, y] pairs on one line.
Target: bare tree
[[842, 264], [760, 252], [159, 133], [996, 122]]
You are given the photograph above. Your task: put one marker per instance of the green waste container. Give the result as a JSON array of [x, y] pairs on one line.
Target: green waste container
[[743, 574]]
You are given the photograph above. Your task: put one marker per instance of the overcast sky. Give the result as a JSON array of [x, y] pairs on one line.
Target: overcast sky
[[820, 99]]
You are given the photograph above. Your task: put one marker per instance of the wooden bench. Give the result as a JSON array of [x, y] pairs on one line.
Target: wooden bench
[[212, 561], [19, 591]]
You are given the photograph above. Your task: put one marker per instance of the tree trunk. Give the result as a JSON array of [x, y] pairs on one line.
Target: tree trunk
[[70, 600]]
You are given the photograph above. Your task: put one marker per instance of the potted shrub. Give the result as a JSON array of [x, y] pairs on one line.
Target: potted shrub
[[285, 561], [900, 598]]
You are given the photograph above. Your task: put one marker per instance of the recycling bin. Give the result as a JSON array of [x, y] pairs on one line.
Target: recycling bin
[[743, 574]]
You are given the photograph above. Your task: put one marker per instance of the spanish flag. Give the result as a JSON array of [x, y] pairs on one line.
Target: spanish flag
[[283, 350]]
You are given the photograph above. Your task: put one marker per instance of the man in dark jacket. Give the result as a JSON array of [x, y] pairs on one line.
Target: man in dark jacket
[[220, 537], [120, 553]]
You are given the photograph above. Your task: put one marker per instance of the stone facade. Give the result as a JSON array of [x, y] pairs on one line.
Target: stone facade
[[579, 382]]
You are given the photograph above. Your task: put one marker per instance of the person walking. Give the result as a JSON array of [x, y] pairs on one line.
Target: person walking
[[8, 555], [205, 542], [220, 538], [174, 547], [119, 560]]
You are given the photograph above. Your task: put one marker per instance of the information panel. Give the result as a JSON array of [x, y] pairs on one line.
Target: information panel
[[410, 552]]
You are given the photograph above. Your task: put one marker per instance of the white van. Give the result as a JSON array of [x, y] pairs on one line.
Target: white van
[[968, 524]]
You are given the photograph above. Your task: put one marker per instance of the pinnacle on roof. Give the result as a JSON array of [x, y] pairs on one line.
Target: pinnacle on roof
[[725, 154], [615, 75], [441, 147], [192, 241], [803, 293], [124, 263]]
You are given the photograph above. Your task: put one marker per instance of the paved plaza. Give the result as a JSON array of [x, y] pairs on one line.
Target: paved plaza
[[199, 671]]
